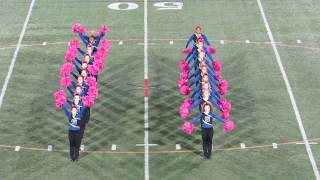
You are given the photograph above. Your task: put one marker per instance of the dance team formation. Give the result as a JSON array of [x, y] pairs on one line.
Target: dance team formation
[[202, 73], [79, 76], [200, 81]]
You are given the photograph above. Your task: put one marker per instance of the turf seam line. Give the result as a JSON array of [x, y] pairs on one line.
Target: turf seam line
[[25, 24], [288, 87]]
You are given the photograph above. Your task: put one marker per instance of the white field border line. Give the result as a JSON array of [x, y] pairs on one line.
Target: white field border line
[[293, 101], [146, 101], [6, 81]]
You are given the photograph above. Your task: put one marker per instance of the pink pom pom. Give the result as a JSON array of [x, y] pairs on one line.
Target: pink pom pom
[[93, 69], [82, 30], [184, 66], [217, 65], [187, 102], [97, 55], [65, 81], [187, 50], [182, 82], [104, 29], [91, 81], [99, 64], [223, 91], [212, 50], [188, 128], [228, 126], [65, 69], [223, 83], [218, 74], [103, 52], [105, 43], [75, 27], [93, 91], [59, 94], [71, 54], [223, 87], [60, 98], [88, 101], [74, 43], [225, 115], [58, 105], [184, 111], [185, 90], [184, 75], [225, 105]]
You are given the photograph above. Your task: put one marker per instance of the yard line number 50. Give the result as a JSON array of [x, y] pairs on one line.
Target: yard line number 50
[[124, 6]]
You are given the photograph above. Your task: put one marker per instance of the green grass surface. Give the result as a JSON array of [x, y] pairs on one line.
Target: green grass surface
[[261, 106]]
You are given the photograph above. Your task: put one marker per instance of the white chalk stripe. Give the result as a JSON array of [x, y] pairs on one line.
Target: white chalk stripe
[[146, 144], [308, 143], [146, 99]]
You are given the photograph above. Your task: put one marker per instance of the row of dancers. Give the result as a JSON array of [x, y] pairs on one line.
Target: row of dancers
[[202, 73], [79, 76]]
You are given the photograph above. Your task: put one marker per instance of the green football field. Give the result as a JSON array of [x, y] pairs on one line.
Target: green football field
[[263, 111]]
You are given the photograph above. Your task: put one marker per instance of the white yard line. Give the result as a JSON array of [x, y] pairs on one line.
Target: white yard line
[[293, 101], [5, 85], [146, 100]]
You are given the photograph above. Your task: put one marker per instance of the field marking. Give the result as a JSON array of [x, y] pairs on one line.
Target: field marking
[[17, 148], [242, 145], [50, 147], [146, 94], [113, 147], [274, 145], [120, 42], [146, 144], [178, 146], [292, 99], [2, 146], [5, 85]]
